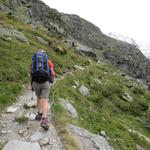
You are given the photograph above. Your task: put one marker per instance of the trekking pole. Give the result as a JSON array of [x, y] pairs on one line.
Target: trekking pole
[[30, 112], [52, 105]]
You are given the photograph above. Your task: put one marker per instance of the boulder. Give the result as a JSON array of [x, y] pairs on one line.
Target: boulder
[[12, 109], [13, 33], [21, 145], [127, 97], [41, 40], [84, 90], [69, 107]]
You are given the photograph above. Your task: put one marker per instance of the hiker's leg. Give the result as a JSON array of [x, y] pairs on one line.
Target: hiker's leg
[[44, 95], [44, 108], [39, 104], [37, 89]]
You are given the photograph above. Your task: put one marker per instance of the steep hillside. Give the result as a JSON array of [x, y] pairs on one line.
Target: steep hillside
[[76, 29], [18, 41], [106, 101], [111, 105]]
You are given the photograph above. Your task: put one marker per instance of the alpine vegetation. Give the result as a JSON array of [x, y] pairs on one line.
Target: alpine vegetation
[[99, 98]]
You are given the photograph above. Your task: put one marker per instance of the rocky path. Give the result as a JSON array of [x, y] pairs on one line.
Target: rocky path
[[26, 135]]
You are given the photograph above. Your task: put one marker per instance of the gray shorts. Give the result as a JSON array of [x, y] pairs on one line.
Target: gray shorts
[[41, 89]]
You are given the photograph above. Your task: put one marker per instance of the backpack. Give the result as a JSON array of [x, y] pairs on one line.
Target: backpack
[[40, 68]]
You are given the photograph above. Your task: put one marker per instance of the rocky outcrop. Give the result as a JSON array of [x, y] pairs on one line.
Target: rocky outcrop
[[68, 106], [7, 32], [87, 140], [128, 59]]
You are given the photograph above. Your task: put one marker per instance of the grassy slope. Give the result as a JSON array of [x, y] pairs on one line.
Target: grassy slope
[[108, 111], [16, 58]]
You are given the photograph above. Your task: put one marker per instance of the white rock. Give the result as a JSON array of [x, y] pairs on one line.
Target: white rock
[[21, 145], [44, 141], [3, 132], [23, 86], [78, 67], [103, 133], [41, 40], [12, 109], [127, 97], [74, 87], [84, 90], [77, 83], [21, 132], [69, 107], [30, 115], [98, 81]]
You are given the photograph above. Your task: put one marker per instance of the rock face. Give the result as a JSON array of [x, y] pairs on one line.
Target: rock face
[[125, 56], [87, 140]]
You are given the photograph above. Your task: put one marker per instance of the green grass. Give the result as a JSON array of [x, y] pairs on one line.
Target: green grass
[[61, 119], [2, 1], [108, 110], [22, 119]]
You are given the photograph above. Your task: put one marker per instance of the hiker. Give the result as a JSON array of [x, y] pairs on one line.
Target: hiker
[[42, 75]]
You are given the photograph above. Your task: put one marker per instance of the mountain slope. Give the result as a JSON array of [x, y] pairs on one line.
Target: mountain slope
[[108, 102], [72, 26]]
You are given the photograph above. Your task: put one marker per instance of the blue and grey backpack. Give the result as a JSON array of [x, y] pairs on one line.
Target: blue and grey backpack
[[40, 68]]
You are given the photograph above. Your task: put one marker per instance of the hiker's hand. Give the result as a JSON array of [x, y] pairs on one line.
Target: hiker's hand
[[52, 80]]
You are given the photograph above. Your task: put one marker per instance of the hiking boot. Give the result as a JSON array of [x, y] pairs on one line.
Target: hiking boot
[[38, 117], [44, 123]]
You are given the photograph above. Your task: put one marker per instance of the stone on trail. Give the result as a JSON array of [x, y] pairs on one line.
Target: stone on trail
[[12, 109], [36, 136], [21, 145], [30, 116]]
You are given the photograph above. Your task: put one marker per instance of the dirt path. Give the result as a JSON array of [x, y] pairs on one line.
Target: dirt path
[[18, 136]]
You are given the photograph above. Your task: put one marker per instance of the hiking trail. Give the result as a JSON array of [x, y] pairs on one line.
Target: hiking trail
[[18, 136]]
